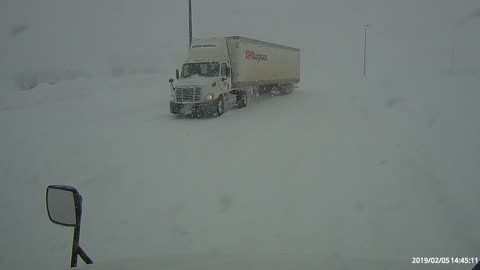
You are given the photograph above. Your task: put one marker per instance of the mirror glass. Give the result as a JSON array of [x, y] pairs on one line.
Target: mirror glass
[[61, 206], [177, 74]]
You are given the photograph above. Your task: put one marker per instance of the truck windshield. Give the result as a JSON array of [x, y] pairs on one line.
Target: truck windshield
[[201, 69]]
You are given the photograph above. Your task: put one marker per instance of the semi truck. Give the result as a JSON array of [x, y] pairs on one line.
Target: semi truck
[[225, 72]]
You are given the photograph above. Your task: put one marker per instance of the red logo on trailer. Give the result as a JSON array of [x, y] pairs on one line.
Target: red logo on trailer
[[251, 55]]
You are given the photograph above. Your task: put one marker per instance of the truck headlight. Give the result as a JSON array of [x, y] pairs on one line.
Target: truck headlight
[[172, 98], [208, 97]]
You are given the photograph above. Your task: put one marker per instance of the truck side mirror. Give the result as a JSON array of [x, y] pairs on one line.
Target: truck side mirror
[[64, 207], [170, 81], [225, 73], [177, 74]]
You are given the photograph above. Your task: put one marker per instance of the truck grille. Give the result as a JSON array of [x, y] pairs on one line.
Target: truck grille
[[188, 94]]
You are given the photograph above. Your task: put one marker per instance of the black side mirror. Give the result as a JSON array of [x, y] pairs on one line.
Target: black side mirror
[[170, 81], [228, 72], [64, 207], [177, 74]]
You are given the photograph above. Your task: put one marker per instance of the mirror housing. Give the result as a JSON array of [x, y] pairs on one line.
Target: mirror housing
[[177, 74], [64, 205], [226, 73], [170, 81]]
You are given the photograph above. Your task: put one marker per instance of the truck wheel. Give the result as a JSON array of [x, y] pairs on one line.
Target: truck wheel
[[220, 105], [286, 89], [243, 99], [276, 90]]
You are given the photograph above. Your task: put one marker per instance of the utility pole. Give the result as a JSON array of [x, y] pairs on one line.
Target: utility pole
[[452, 59], [365, 52], [190, 23], [456, 28]]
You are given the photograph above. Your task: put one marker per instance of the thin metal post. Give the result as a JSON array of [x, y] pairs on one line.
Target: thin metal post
[[452, 59], [190, 23], [365, 53], [451, 68]]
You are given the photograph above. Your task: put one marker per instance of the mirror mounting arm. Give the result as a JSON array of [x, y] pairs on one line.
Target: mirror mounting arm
[[84, 256], [76, 249]]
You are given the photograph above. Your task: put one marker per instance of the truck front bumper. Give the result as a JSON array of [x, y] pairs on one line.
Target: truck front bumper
[[201, 108]]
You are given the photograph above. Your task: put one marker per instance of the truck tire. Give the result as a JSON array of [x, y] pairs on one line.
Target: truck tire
[[242, 99], [275, 90], [286, 89], [220, 106]]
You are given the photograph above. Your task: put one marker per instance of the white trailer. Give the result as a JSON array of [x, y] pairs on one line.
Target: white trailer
[[223, 72]]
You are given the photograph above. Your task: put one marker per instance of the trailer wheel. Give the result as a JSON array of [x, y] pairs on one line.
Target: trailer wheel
[[243, 99], [220, 108]]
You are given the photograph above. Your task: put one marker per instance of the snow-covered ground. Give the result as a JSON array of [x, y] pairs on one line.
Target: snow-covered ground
[[361, 170], [376, 169]]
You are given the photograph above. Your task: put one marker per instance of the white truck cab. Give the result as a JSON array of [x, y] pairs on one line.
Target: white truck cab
[[203, 79]]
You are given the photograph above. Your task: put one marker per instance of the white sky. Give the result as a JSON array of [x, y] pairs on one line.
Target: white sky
[[91, 35]]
